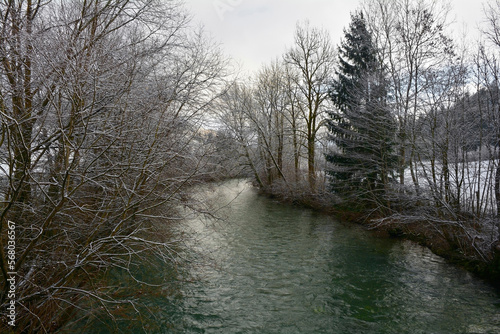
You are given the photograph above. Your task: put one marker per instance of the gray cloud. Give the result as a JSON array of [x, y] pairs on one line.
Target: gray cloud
[[257, 31]]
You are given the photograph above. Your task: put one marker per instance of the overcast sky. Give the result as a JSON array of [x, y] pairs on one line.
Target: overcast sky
[[254, 32]]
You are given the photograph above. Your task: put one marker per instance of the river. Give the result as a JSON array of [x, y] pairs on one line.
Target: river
[[273, 268]]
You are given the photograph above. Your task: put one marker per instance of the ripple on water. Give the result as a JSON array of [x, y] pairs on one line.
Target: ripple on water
[[281, 269]]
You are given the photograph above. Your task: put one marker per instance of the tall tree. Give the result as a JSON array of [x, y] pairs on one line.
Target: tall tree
[[269, 119], [312, 57], [361, 125]]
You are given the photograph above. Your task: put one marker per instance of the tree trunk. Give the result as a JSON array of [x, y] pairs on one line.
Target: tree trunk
[[310, 163], [18, 72], [497, 196]]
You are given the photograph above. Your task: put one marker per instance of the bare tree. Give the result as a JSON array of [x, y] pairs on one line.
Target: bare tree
[[100, 104], [410, 37], [234, 111], [294, 119], [269, 119], [492, 13], [311, 60]]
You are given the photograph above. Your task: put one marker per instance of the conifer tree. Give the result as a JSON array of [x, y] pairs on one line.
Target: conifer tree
[[361, 126]]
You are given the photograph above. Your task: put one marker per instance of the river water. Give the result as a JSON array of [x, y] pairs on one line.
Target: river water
[[273, 268]]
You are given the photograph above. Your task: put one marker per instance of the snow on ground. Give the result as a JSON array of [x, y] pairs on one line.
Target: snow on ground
[[471, 183]]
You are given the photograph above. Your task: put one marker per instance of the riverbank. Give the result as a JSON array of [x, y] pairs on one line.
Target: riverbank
[[442, 239]]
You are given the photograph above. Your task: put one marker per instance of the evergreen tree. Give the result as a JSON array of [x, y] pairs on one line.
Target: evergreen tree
[[361, 126]]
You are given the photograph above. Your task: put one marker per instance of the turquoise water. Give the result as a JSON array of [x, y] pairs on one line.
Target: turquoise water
[[272, 268]]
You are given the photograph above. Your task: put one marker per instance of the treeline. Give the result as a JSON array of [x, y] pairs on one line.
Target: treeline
[[399, 125], [102, 105]]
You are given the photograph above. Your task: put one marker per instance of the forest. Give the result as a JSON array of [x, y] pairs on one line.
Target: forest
[[112, 112]]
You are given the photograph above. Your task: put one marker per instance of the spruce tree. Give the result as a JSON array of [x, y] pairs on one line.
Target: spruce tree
[[360, 126]]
